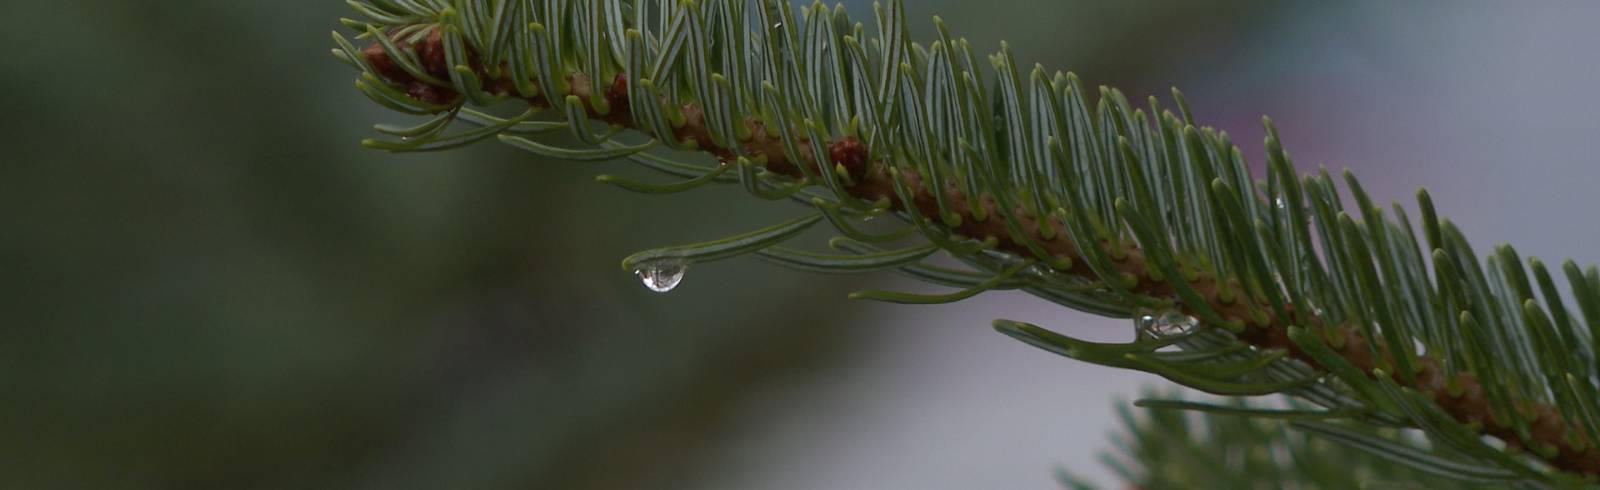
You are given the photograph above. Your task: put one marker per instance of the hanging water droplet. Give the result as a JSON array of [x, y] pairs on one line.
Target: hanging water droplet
[[1162, 324], [1045, 271], [1279, 202], [661, 275]]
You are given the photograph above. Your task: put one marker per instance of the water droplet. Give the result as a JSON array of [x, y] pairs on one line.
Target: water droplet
[[1279, 202], [1162, 324], [1042, 270], [777, 25], [661, 275]]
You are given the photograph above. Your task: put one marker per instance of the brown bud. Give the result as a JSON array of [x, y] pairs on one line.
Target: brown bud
[[431, 94], [850, 153], [431, 52], [617, 93], [385, 66]]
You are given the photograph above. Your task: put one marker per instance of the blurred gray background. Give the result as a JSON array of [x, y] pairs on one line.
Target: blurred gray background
[[208, 284]]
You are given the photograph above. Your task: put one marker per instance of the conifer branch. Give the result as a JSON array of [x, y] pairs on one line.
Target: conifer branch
[[1236, 445], [1101, 208]]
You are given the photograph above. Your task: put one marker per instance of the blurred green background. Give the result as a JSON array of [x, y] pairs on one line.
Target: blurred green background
[[209, 284]]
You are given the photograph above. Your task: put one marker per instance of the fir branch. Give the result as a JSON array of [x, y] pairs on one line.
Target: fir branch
[[1155, 215], [1239, 446]]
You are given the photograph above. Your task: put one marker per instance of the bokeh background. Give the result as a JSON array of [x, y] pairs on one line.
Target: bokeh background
[[206, 283]]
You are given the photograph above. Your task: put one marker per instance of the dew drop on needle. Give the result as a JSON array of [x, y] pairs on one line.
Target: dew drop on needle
[[1162, 324], [661, 275]]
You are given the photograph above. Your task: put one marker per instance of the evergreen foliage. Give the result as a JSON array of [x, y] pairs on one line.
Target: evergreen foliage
[[1237, 446], [1475, 370]]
